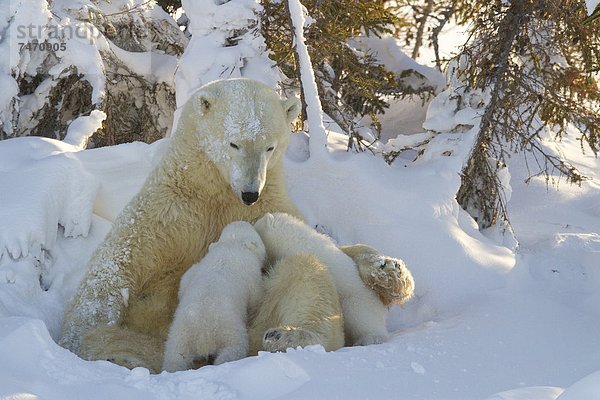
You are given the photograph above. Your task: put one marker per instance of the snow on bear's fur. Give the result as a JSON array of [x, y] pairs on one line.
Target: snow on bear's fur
[[363, 311], [224, 163], [215, 295]]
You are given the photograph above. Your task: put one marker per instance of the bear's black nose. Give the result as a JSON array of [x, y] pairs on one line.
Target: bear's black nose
[[249, 198]]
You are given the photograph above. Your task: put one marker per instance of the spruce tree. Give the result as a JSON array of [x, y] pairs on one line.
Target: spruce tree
[[351, 83], [537, 60], [105, 56], [424, 20]]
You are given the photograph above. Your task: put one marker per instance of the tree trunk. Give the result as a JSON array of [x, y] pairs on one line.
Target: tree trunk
[[421, 28], [481, 189]]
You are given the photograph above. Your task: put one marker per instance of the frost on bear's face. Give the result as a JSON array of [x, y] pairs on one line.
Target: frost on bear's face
[[244, 128]]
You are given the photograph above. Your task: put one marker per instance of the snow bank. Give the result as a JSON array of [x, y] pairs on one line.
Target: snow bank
[[62, 375], [45, 193], [532, 393], [587, 388], [53, 189], [82, 128], [321, 189]]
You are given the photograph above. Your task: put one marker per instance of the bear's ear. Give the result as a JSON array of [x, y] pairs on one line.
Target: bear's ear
[[291, 107], [204, 103]]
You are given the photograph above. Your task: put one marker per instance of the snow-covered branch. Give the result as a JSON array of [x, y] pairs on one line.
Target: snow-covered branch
[[314, 111]]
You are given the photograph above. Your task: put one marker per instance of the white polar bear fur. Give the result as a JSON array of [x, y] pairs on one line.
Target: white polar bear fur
[[215, 295], [299, 307], [364, 313], [129, 292], [230, 139]]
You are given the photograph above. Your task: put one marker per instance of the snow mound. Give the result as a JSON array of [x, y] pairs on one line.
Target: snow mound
[[63, 375], [587, 388], [82, 128], [48, 192]]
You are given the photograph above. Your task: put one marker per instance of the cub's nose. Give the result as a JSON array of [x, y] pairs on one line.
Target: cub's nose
[[249, 198]]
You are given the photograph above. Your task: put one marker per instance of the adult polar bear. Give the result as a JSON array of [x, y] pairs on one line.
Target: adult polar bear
[[224, 163]]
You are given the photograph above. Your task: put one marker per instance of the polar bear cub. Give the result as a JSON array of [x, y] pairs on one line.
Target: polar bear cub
[[363, 311], [215, 295]]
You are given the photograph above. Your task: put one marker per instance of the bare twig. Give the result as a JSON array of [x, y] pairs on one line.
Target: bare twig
[[132, 9], [422, 23]]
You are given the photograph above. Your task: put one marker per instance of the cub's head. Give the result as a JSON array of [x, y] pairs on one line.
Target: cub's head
[[243, 126], [240, 234]]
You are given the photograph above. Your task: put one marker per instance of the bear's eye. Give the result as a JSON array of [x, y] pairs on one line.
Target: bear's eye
[[235, 146], [271, 148]]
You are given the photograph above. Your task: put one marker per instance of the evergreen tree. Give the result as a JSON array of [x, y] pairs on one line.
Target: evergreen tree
[[169, 5], [425, 19], [536, 58], [226, 42], [65, 62], [351, 82]]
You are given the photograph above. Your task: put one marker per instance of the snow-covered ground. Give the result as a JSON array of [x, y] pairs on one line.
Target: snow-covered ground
[[489, 321], [485, 319]]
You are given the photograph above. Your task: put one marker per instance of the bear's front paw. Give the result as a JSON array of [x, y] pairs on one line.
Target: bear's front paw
[[124, 360], [388, 277], [370, 339], [278, 339], [285, 337], [272, 335]]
